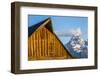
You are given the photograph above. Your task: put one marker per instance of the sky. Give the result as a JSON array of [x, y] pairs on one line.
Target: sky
[[63, 24]]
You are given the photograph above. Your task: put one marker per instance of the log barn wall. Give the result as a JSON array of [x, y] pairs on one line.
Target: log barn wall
[[43, 45]]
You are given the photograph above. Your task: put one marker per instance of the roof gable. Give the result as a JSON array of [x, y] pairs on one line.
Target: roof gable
[[45, 23]]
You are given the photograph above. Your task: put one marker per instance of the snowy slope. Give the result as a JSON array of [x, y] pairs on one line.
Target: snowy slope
[[77, 47]]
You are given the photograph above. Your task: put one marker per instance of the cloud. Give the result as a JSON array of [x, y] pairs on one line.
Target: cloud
[[71, 32]]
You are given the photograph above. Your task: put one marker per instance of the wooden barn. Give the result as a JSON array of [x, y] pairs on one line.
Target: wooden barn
[[43, 44]]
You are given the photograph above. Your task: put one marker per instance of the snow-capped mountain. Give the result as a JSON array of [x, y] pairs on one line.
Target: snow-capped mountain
[[77, 47]]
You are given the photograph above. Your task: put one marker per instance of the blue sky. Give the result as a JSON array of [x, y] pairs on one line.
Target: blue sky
[[63, 23]]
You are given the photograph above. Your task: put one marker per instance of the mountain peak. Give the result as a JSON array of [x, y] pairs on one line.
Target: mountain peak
[[77, 47]]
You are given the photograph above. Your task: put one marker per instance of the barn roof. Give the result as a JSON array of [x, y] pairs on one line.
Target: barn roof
[[33, 28], [48, 24]]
